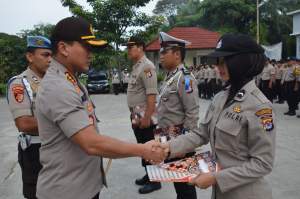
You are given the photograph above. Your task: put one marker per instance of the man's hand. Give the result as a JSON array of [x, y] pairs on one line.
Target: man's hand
[[144, 122], [203, 181], [153, 152]]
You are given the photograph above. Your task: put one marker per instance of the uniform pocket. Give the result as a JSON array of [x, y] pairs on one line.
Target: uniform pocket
[[227, 135]]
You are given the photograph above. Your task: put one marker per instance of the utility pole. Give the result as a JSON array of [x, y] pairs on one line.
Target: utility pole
[[257, 21]]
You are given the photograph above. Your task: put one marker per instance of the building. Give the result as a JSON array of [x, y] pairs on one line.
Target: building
[[296, 30], [202, 43]]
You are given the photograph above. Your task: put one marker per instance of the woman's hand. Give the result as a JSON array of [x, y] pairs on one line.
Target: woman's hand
[[203, 181]]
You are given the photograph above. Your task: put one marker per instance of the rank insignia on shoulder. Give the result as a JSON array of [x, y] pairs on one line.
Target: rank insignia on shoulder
[[148, 73], [267, 123], [263, 112], [188, 84], [18, 91], [237, 109], [70, 78]]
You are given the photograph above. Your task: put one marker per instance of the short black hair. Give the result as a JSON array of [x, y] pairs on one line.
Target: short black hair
[[31, 50]]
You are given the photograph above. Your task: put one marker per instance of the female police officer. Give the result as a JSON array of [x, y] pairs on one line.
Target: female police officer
[[239, 125]]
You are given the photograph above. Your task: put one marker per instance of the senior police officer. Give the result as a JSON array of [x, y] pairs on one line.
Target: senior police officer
[[141, 98], [239, 125], [72, 148], [22, 90], [178, 104]]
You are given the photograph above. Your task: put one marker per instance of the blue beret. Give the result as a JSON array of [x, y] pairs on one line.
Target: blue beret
[[38, 42]]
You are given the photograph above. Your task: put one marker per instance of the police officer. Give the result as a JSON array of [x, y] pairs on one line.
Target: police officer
[[116, 82], [141, 98], [267, 79], [239, 124], [72, 148], [22, 90], [178, 103], [278, 87], [125, 79], [291, 94]]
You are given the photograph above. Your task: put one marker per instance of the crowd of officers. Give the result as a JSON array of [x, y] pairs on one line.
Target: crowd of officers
[[279, 81]]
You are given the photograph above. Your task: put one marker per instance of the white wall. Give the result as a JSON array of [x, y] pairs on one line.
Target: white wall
[[298, 46], [296, 23]]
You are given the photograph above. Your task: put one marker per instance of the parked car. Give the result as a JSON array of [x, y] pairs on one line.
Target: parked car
[[97, 82]]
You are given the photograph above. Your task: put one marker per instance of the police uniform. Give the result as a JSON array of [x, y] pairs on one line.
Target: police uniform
[[63, 109], [178, 106], [116, 83], [291, 94], [142, 82], [278, 86], [242, 134], [21, 96], [266, 77]]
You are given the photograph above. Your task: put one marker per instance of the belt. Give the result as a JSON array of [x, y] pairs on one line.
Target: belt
[[35, 139], [167, 133]]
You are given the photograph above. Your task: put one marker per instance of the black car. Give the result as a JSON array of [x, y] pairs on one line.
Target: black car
[[97, 82]]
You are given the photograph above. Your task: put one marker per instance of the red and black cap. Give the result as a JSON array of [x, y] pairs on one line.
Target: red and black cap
[[235, 44], [76, 29]]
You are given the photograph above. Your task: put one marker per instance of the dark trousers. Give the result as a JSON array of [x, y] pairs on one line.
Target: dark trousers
[[96, 196], [268, 92], [116, 88], [142, 136], [184, 190], [278, 90], [29, 161], [291, 96]]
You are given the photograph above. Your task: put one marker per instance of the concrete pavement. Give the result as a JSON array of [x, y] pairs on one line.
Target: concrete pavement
[[114, 116]]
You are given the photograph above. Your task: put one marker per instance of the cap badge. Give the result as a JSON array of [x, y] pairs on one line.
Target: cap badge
[[219, 45], [39, 42]]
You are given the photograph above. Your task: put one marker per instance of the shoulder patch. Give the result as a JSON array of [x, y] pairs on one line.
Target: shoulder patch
[[148, 73], [264, 112], [18, 92], [72, 79], [267, 123], [188, 84]]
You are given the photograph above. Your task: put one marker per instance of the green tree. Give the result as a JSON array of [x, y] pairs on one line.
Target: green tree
[[39, 29], [111, 20], [12, 59]]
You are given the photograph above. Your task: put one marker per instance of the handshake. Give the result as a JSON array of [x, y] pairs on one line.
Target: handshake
[[155, 152]]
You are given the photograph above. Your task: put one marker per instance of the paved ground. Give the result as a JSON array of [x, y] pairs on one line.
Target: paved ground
[[113, 114]]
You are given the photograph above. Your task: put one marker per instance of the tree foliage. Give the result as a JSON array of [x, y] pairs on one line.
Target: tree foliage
[[240, 16]]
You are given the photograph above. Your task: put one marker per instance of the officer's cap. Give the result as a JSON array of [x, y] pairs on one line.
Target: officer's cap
[[135, 40], [76, 29], [234, 44], [168, 41], [38, 42]]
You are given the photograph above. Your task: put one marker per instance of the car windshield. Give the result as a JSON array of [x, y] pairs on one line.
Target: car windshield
[[97, 77]]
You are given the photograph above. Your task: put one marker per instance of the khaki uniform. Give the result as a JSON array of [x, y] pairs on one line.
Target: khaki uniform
[[142, 82], [242, 137], [178, 100], [178, 105], [63, 109], [21, 97], [267, 72]]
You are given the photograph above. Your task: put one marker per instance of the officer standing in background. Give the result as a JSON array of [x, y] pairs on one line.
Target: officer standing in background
[[141, 98], [21, 94], [278, 87], [267, 79], [116, 83], [291, 94], [72, 147], [178, 102]]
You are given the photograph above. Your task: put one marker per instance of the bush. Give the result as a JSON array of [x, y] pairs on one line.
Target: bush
[[2, 89]]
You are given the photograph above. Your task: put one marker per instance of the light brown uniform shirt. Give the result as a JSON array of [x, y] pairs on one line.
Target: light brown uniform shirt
[[63, 109], [178, 102], [267, 72], [21, 100], [142, 82], [242, 138]]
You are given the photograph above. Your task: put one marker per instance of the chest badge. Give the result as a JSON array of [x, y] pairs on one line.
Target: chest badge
[[237, 109]]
